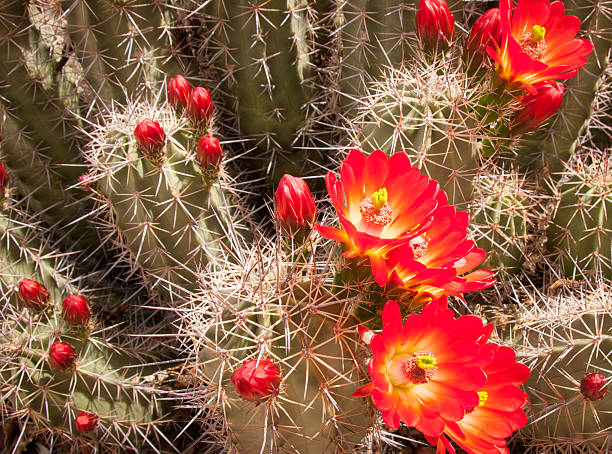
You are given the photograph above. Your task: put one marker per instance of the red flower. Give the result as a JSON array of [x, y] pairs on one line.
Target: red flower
[[294, 204], [497, 415], [427, 370], [257, 380], [150, 138], [538, 43], [33, 294], [200, 105], [61, 355], [536, 108], [593, 386], [76, 310], [434, 261], [178, 92], [435, 24], [485, 32], [4, 180], [382, 203], [86, 421]]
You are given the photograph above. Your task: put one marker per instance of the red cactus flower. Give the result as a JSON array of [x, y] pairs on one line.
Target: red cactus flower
[[200, 105], [538, 43], [178, 92], [593, 386], [435, 24], [257, 380], [150, 138], [427, 370], [76, 310], [485, 427], [209, 153], [536, 108], [382, 203], [294, 204], [434, 262], [61, 355], [86, 421], [486, 31], [4, 180], [33, 294]]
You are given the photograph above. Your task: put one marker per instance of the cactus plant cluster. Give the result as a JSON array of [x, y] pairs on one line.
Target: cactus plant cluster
[[169, 282]]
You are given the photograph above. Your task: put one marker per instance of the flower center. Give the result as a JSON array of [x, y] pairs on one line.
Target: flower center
[[420, 367], [375, 209], [533, 43], [483, 396]]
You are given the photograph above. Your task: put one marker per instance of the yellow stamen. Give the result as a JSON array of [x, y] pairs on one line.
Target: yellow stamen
[[537, 33], [379, 198], [425, 362], [482, 396]]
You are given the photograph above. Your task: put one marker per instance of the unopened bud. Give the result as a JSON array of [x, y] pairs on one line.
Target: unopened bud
[[294, 204], [593, 386], [86, 421], [33, 294], [150, 138], [257, 380], [178, 92], [61, 355], [435, 24], [200, 105], [76, 310]]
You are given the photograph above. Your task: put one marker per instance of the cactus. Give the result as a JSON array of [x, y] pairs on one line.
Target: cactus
[[107, 375], [564, 334], [580, 231]]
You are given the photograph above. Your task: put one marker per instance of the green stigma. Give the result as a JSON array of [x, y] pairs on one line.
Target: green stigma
[[425, 362], [482, 398], [537, 33], [379, 198]]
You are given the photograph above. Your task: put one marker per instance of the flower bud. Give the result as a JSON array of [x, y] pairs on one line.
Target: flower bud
[[200, 105], [486, 31], [4, 180], [86, 421], [178, 92], [592, 386], [256, 382], [150, 138], [536, 108], [209, 156], [294, 204], [33, 294], [61, 355], [76, 310], [435, 24], [85, 181]]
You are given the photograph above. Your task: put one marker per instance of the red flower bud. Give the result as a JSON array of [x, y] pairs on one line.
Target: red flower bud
[[33, 294], [4, 180], [150, 138], [86, 421], [592, 386], [294, 204], [85, 181], [536, 108], [435, 24], [178, 92], [256, 382], [76, 310], [209, 153], [486, 31], [61, 355], [200, 105]]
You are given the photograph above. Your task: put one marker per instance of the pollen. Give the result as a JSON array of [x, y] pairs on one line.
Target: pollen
[[420, 367], [482, 398], [533, 43], [375, 209]]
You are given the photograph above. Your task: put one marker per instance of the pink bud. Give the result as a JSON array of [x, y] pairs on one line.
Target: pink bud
[[257, 382], [593, 386], [486, 31], [150, 138], [178, 92], [76, 310], [210, 153], [294, 204], [200, 105], [435, 24], [33, 294], [61, 355], [4, 180], [85, 181], [535, 109], [86, 421]]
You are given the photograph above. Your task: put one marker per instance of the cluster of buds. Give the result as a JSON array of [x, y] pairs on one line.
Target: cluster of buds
[[197, 101], [295, 206]]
